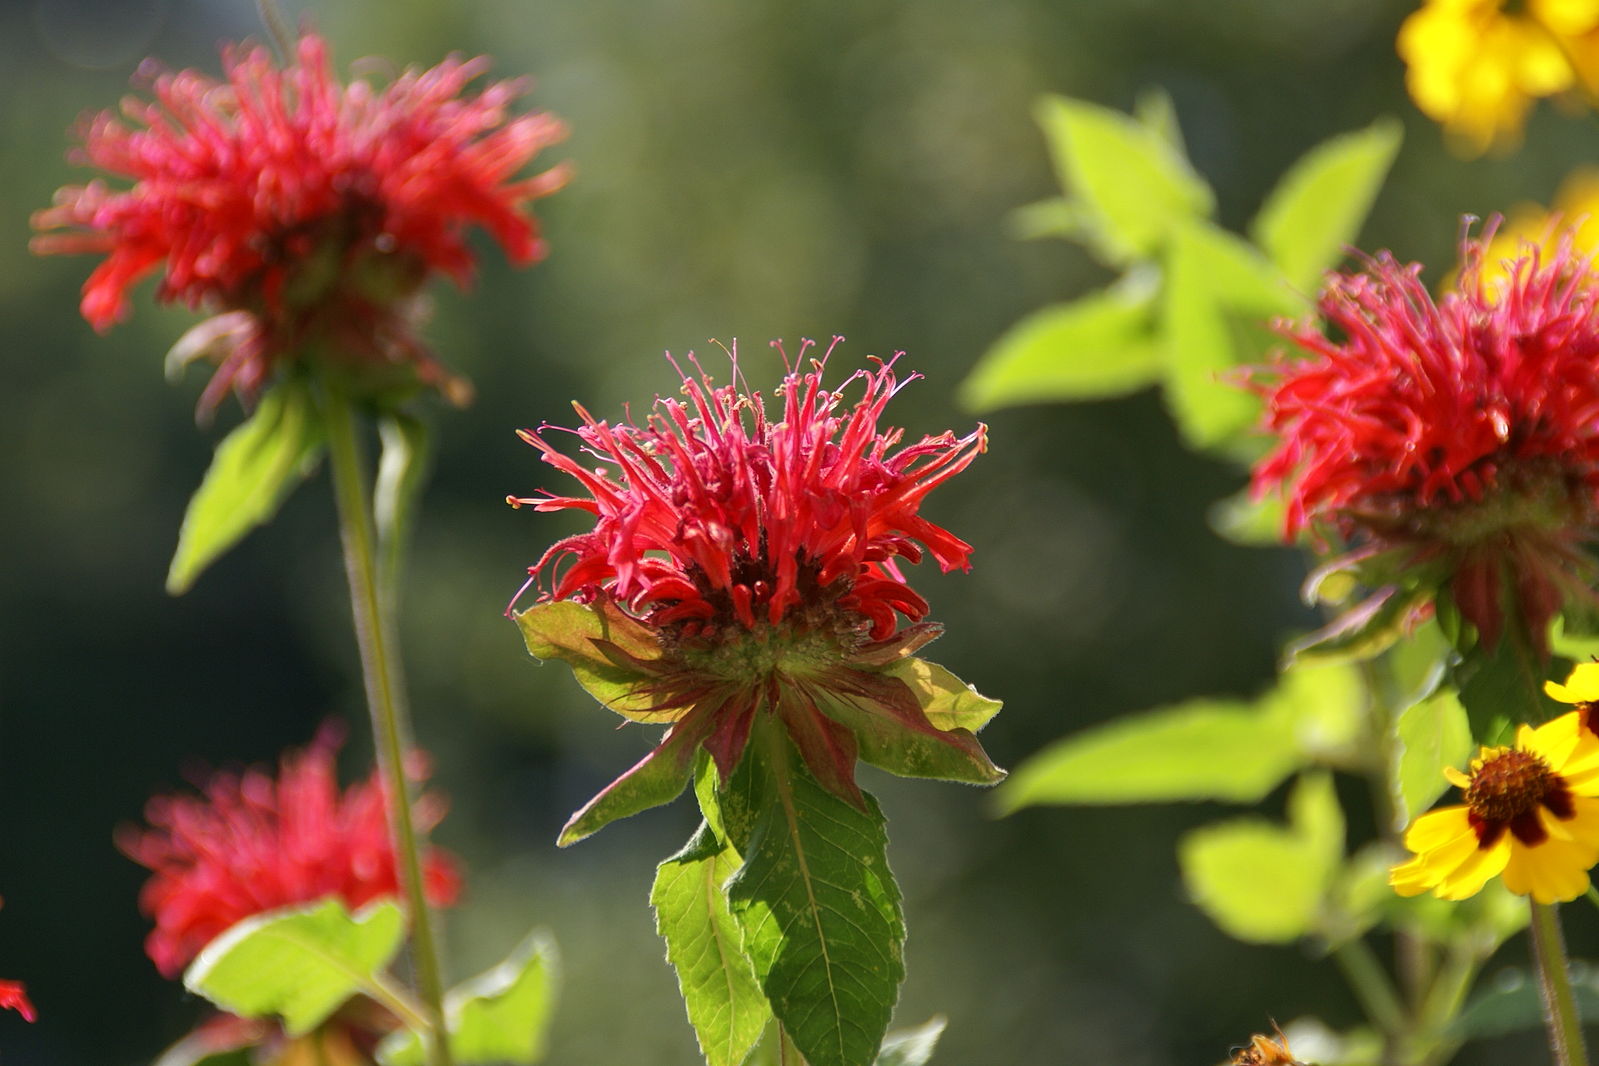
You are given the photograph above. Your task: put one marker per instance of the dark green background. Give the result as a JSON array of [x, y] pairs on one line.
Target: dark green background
[[745, 169]]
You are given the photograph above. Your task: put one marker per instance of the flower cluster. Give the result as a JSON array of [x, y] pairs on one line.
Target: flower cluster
[[753, 562], [253, 843], [305, 213], [1477, 65], [1460, 437], [1531, 812]]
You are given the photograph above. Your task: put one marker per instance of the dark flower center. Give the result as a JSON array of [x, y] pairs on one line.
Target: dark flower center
[[1507, 788]]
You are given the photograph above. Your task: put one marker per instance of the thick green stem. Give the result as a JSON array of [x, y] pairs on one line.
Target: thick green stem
[[373, 635], [1554, 981]]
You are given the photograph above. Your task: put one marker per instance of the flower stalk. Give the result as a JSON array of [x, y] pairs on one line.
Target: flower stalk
[[1554, 982], [391, 731]]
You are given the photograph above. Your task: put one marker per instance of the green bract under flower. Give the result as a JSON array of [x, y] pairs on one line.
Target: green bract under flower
[[741, 567]]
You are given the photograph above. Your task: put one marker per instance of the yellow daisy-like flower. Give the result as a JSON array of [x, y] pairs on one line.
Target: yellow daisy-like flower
[[1574, 213], [1476, 67], [1531, 815]]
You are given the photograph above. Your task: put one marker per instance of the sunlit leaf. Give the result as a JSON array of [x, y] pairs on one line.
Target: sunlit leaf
[[912, 1047], [1435, 733], [253, 470], [704, 944], [1245, 520], [609, 653], [500, 1016], [1132, 181], [821, 917], [1097, 346], [1262, 882], [301, 963], [1318, 207]]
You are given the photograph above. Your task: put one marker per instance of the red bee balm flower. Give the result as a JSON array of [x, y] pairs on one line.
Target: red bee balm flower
[[1462, 433], [741, 567], [308, 212], [14, 997], [254, 844]]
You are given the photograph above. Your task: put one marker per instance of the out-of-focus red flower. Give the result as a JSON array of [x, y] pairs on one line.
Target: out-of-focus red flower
[[1463, 432], [305, 213], [14, 997], [757, 558], [253, 843]]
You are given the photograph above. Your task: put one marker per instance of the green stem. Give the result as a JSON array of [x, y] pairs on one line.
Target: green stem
[[787, 1053], [1371, 985], [1554, 981], [390, 731], [387, 991]]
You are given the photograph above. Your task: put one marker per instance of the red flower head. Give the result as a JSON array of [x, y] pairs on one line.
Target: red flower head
[[1464, 433], [740, 565], [253, 844], [307, 213], [14, 997]]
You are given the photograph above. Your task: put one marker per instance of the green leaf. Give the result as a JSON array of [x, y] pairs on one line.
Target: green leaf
[[1434, 733], [1261, 882], [1363, 631], [705, 946], [912, 1047], [1245, 520], [251, 473], [1098, 346], [1200, 749], [399, 484], [948, 702], [1512, 1003], [1502, 688], [821, 915], [656, 779], [501, 1015], [1055, 217], [1132, 182], [300, 962], [1318, 207], [1325, 707], [609, 652], [1220, 298]]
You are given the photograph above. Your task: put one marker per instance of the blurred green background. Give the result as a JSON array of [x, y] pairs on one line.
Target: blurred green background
[[745, 169]]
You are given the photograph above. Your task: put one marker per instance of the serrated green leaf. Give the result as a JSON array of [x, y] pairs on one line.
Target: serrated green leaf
[[1512, 1003], [609, 653], [301, 963], [500, 1016], [1098, 346], [1503, 687], [821, 916], [1200, 749], [1132, 182], [658, 778], [251, 473], [1434, 733], [1261, 882], [1220, 298], [912, 1047], [1318, 207], [704, 944]]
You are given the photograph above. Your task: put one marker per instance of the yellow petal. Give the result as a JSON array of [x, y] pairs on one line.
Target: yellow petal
[[1554, 741], [1479, 867], [1438, 828], [1581, 687], [1552, 872]]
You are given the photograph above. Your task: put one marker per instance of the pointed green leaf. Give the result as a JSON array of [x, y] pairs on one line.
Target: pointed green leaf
[[1434, 734], [1200, 749], [656, 779], [501, 1015], [1512, 1003], [1098, 346], [1261, 882], [399, 483], [821, 917], [1318, 207], [705, 946], [948, 702], [1363, 631], [1325, 707], [1132, 181], [1247, 521], [615, 670], [1220, 298], [300, 962], [912, 1047], [1503, 687], [1055, 217], [251, 473]]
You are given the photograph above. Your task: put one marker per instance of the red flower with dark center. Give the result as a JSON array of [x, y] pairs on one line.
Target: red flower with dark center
[[1464, 432], [742, 565], [14, 997], [305, 212], [253, 843]]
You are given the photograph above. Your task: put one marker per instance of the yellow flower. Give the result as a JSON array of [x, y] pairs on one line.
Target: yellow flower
[[1531, 815], [1476, 67], [1575, 213]]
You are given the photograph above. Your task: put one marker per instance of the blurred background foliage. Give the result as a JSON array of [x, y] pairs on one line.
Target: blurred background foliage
[[745, 169]]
